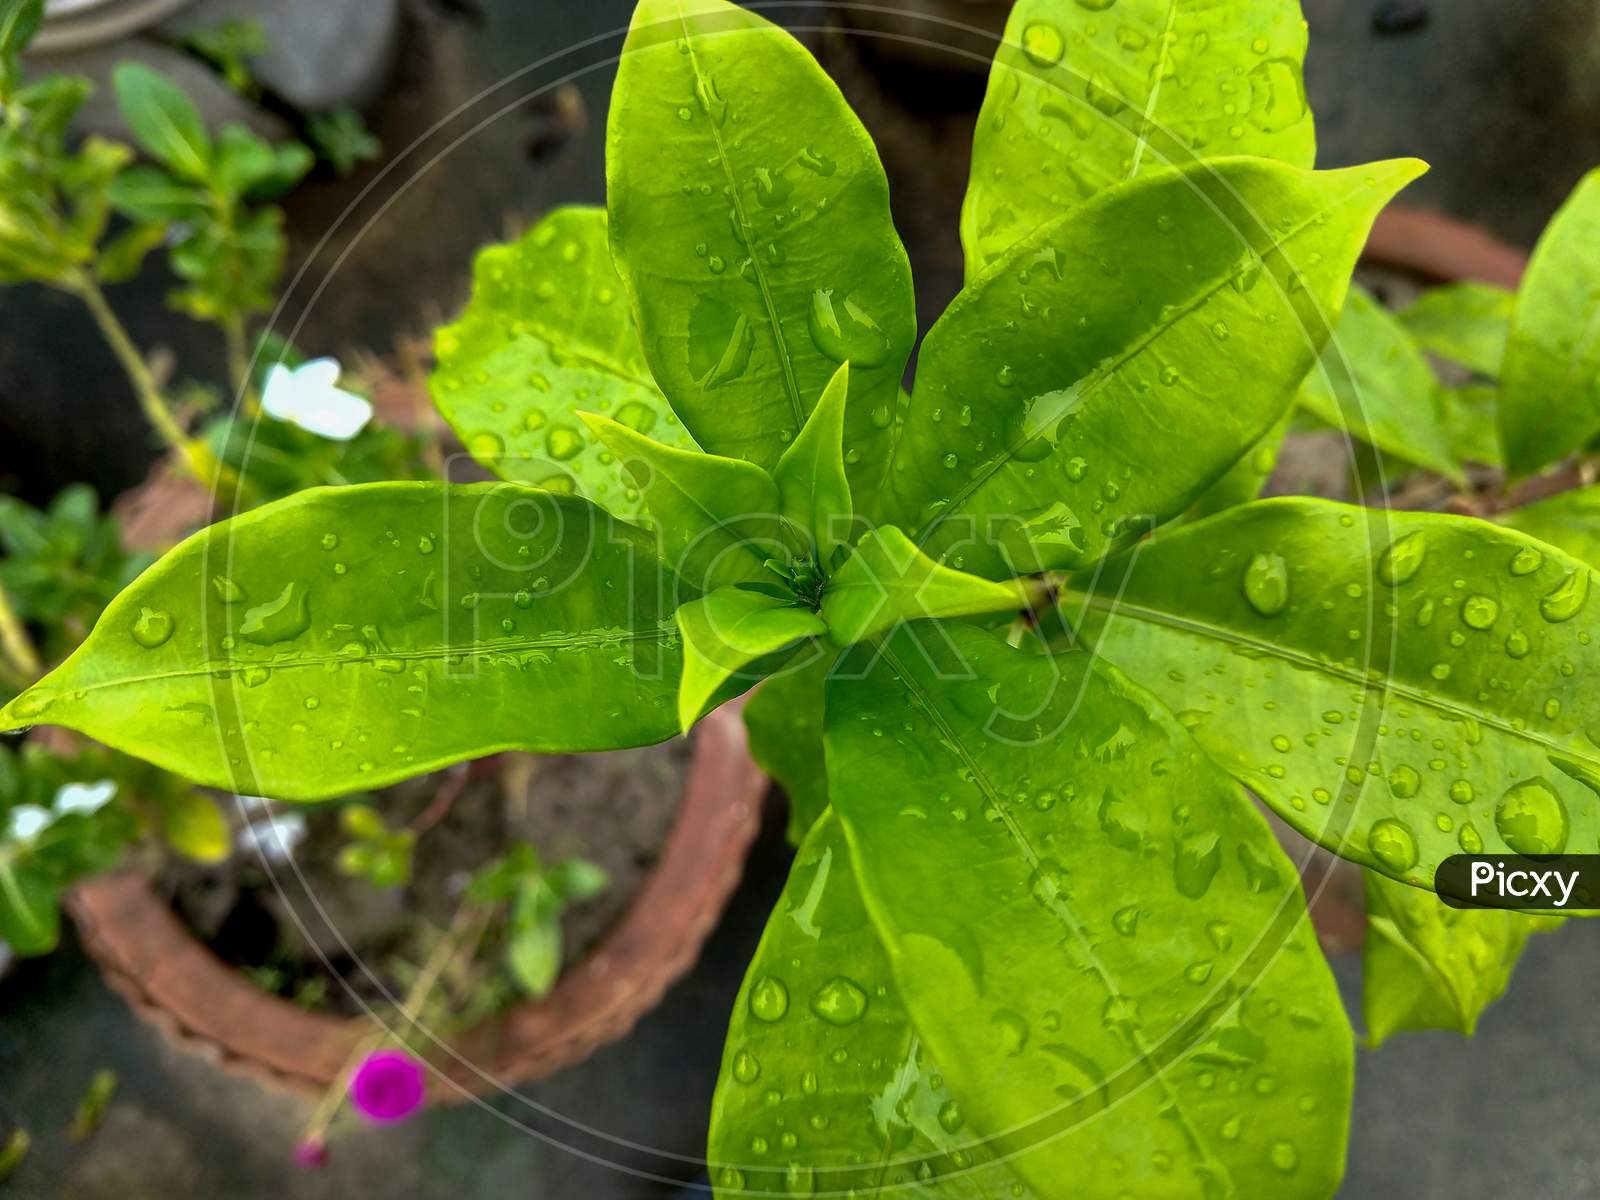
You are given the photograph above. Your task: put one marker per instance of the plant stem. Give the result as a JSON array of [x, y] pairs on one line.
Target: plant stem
[[200, 463], [238, 349], [15, 643]]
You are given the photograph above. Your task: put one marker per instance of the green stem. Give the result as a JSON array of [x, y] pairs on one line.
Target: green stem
[[17, 646], [199, 461], [238, 344]]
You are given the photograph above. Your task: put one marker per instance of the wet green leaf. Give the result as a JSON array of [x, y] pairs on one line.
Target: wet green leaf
[[1463, 322], [1244, 480], [1374, 384], [164, 121], [813, 491], [1426, 965], [548, 334], [715, 517], [1550, 381], [784, 720], [1092, 929], [750, 219], [725, 634], [1399, 687], [348, 637], [1189, 324], [1082, 97], [887, 580], [1568, 520], [809, 1101]]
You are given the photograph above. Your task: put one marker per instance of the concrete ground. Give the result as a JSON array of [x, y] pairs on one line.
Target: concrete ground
[[1501, 98]]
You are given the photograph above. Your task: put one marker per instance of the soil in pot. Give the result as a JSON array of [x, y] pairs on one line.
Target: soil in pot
[[305, 931]]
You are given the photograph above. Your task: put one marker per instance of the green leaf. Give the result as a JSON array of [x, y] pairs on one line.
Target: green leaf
[[30, 908], [1243, 481], [16, 1145], [888, 580], [1399, 687], [1469, 420], [1569, 521], [192, 826], [784, 720], [813, 491], [1093, 930], [533, 955], [725, 634], [1464, 322], [1188, 322], [715, 517], [1081, 98], [19, 21], [1374, 383], [548, 332], [808, 1102], [1426, 965], [163, 120], [348, 637], [754, 235], [577, 879], [1549, 405], [121, 258]]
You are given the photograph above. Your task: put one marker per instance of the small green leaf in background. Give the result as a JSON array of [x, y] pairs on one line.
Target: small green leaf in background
[[715, 517], [191, 824], [728, 632], [1094, 932], [149, 193], [343, 139], [91, 1110], [813, 491], [888, 580], [123, 255], [1015, 455], [1548, 400], [1468, 413], [750, 220], [1465, 323], [1081, 98], [508, 607], [163, 119], [1568, 520], [228, 46], [533, 953], [1396, 686], [784, 721], [821, 1052], [30, 907], [1373, 383], [575, 880], [1426, 965], [19, 21], [13, 1150], [546, 334]]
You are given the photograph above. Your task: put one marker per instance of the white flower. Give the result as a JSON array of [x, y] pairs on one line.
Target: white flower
[[306, 396], [85, 798], [28, 821], [274, 837]]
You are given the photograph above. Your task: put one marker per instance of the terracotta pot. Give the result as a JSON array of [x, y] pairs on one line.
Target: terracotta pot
[[174, 981]]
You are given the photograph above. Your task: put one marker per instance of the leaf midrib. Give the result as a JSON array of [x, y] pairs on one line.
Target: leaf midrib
[[1032, 859], [1102, 376], [791, 386], [1427, 699]]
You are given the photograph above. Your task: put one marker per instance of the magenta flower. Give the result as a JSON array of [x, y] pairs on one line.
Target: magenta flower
[[388, 1086]]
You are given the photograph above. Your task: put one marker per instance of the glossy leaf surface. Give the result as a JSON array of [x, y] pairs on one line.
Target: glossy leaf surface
[[1549, 403], [1118, 361], [1082, 96], [345, 638], [825, 1086], [1374, 383], [728, 631], [813, 490], [1399, 687], [1243, 481], [750, 219], [784, 721], [888, 580], [546, 335], [1568, 520], [715, 517], [1464, 322], [1426, 965], [1098, 937]]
